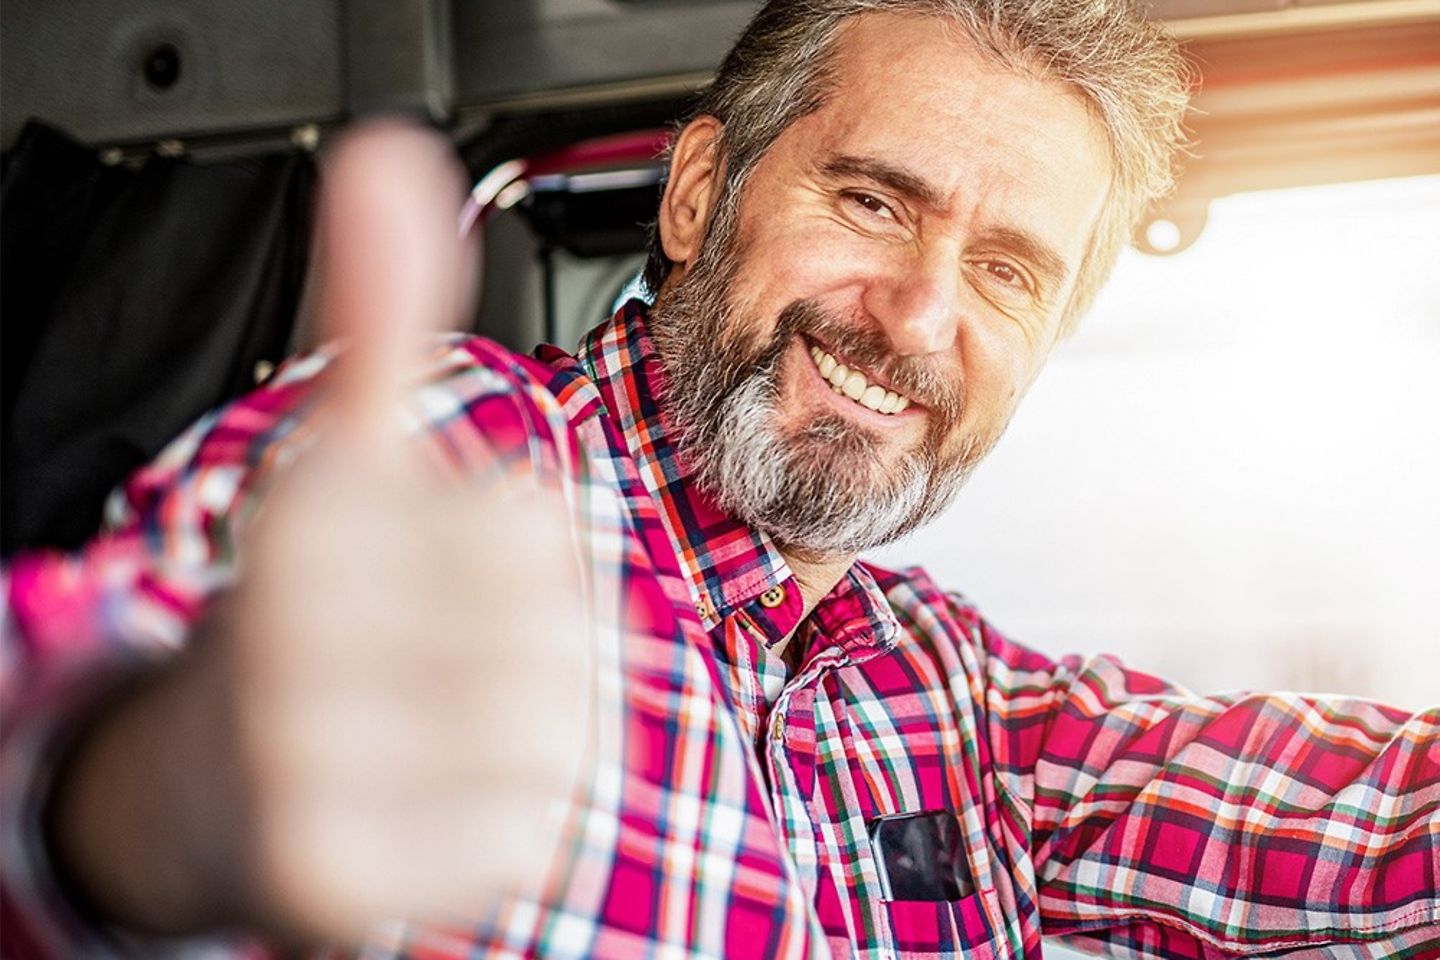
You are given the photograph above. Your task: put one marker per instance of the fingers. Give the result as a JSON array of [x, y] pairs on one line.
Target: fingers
[[392, 266]]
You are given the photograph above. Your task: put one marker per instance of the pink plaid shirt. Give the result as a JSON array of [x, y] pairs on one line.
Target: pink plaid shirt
[[733, 800]]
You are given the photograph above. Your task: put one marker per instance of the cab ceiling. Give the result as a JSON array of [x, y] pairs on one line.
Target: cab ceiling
[[1293, 92]]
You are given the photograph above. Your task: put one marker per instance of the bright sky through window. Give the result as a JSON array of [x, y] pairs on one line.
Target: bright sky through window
[[1229, 475]]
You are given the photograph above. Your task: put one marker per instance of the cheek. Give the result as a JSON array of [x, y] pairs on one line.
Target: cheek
[[807, 258], [996, 382], [794, 381]]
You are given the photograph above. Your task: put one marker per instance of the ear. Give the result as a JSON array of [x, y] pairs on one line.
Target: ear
[[693, 185]]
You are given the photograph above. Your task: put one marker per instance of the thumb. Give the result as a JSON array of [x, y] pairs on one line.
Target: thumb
[[392, 263]]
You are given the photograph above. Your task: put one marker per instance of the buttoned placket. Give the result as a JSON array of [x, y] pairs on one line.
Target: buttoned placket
[[790, 800]]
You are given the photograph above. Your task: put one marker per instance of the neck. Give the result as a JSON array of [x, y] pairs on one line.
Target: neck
[[816, 576]]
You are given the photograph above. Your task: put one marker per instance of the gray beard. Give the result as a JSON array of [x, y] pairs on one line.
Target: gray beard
[[821, 489]]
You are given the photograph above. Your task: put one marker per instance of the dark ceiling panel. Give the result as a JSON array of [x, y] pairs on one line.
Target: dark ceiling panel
[[1353, 90], [114, 71], [509, 49]]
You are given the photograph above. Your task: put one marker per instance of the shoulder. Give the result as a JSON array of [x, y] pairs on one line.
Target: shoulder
[[174, 529], [951, 623], [1011, 675], [466, 389]]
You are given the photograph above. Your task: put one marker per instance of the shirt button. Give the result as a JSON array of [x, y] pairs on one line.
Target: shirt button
[[703, 608], [772, 598], [777, 730]]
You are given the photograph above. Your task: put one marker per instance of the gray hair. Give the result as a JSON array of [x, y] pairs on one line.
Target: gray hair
[[1128, 70]]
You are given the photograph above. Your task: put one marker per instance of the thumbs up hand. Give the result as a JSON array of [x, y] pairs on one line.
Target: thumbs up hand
[[389, 717]]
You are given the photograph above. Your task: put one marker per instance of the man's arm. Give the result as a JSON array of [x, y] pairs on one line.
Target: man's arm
[[1181, 826], [343, 747]]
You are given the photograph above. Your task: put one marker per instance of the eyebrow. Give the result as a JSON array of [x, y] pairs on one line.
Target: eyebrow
[[895, 178], [1020, 243]]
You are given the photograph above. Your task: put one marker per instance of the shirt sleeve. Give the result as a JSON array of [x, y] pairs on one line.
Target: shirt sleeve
[[76, 626], [1164, 824]]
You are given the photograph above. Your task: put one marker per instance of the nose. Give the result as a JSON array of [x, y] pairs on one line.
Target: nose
[[918, 302]]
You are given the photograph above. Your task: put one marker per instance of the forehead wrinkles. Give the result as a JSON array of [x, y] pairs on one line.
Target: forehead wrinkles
[[891, 72]]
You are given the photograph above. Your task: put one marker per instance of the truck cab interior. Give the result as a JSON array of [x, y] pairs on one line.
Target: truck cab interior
[[159, 170]]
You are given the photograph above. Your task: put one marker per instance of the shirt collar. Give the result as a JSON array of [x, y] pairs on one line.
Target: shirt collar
[[729, 565]]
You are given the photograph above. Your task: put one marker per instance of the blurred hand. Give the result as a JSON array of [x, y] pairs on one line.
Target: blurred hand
[[408, 655], [395, 702]]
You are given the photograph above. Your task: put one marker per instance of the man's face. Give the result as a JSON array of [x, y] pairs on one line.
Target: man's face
[[922, 231]]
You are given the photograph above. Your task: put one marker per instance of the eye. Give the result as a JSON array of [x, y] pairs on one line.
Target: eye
[[1004, 282], [1007, 278], [870, 203], [1003, 272]]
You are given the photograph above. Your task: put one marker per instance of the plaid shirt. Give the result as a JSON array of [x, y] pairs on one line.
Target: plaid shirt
[[732, 804]]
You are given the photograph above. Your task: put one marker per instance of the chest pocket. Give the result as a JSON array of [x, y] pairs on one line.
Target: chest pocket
[[930, 897], [942, 928]]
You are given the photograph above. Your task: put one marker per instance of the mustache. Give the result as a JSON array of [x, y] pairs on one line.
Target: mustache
[[932, 384]]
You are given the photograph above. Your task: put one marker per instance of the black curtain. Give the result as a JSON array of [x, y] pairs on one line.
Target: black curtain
[[134, 300]]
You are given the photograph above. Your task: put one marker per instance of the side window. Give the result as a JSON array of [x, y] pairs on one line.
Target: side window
[[1248, 451]]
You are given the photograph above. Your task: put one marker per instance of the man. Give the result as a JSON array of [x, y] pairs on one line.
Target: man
[[873, 233]]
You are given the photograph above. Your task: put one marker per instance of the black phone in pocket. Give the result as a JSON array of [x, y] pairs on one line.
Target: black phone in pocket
[[921, 856]]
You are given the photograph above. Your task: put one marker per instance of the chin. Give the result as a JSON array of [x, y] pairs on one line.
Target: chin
[[824, 490]]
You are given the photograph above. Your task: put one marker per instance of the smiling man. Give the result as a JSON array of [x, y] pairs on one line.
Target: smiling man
[[928, 244], [879, 223]]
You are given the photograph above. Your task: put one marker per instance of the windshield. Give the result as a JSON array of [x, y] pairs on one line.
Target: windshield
[[1228, 475]]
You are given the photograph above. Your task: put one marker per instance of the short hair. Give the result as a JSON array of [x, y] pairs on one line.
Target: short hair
[[1128, 70]]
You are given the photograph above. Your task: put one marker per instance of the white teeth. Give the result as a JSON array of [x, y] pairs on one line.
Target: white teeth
[[852, 384]]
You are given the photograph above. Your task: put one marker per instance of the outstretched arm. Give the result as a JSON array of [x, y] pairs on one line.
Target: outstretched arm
[[1174, 825], [383, 716]]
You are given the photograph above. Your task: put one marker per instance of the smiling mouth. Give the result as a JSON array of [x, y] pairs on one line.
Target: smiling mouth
[[855, 385]]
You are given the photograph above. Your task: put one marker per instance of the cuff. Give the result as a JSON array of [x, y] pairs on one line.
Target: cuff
[[39, 916]]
